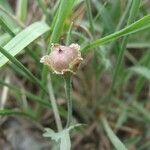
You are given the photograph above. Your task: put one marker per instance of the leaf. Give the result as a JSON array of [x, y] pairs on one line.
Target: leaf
[[6, 5], [142, 110], [6, 112], [65, 143], [113, 138], [64, 10], [137, 26], [62, 137], [5, 13], [22, 8], [24, 38], [31, 96], [141, 70]]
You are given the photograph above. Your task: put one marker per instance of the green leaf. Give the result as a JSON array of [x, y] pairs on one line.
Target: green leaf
[[6, 112], [63, 137], [113, 138], [31, 96], [6, 27], [141, 70], [42, 5], [63, 12], [6, 5], [32, 78], [5, 12], [23, 39], [22, 9], [142, 110], [137, 26]]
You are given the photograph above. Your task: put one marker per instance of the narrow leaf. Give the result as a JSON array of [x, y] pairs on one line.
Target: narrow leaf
[[141, 70], [113, 138], [23, 39], [22, 9], [139, 25], [6, 112], [24, 69]]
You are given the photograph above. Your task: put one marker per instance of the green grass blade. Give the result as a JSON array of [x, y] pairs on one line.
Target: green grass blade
[[133, 12], [113, 138], [5, 13], [22, 9], [105, 16], [4, 38], [90, 17], [24, 69], [24, 38], [122, 118], [6, 112], [12, 33], [6, 5], [68, 38], [44, 9], [31, 96], [137, 26], [6, 27], [64, 10], [141, 70], [142, 110]]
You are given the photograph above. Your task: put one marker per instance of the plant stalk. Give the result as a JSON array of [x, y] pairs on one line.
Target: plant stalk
[[54, 105], [67, 79]]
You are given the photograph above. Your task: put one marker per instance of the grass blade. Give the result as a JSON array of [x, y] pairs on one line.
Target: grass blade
[[6, 27], [90, 17], [12, 33], [142, 110], [113, 138], [137, 26], [44, 9], [22, 9], [64, 10], [6, 112], [141, 70], [24, 69], [133, 12], [24, 38], [31, 96]]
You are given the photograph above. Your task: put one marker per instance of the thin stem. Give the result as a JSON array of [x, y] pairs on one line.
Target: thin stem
[[54, 105], [68, 96]]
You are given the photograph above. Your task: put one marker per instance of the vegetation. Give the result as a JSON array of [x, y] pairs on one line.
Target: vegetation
[[108, 97]]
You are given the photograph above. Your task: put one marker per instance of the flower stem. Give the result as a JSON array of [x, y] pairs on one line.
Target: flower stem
[[54, 105], [68, 96]]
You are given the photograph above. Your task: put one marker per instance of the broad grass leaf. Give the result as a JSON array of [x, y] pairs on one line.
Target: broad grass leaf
[[23, 39]]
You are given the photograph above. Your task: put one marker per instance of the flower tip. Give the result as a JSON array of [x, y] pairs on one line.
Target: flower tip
[[75, 46], [42, 59]]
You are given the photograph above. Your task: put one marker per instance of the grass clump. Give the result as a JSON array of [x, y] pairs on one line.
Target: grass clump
[[110, 90]]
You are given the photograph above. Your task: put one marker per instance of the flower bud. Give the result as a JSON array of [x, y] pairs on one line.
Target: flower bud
[[63, 59]]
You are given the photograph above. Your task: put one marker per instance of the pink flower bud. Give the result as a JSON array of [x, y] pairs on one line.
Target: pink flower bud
[[63, 59]]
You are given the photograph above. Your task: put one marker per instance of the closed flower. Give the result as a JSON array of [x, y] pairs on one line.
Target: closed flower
[[63, 59]]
